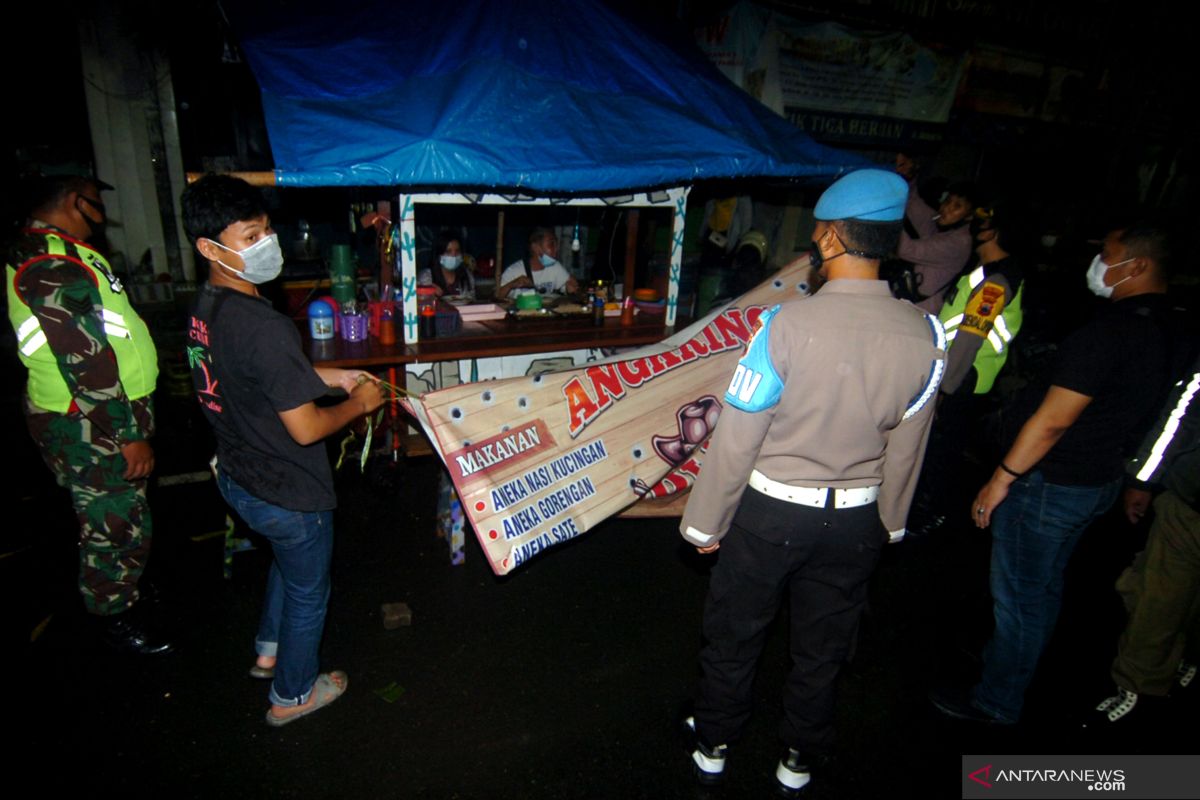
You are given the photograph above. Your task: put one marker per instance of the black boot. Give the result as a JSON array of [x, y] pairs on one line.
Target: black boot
[[128, 633]]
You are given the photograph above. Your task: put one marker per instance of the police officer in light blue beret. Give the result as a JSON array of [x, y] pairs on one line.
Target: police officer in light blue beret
[[810, 473]]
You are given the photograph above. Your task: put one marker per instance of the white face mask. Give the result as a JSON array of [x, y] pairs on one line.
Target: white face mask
[[1096, 273], [451, 262], [261, 261]]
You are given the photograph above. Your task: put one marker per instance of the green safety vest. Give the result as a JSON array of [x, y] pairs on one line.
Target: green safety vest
[[994, 351], [127, 334]]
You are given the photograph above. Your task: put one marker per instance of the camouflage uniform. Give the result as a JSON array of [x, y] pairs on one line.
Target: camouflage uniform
[[83, 446]]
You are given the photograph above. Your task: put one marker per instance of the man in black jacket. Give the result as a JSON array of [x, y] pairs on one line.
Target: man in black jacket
[[1161, 589]]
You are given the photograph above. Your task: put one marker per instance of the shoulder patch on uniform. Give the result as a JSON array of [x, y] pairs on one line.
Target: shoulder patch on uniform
[[756, 385], [77, 305]]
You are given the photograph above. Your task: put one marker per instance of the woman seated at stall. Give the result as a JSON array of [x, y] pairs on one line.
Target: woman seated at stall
[[447, 273]]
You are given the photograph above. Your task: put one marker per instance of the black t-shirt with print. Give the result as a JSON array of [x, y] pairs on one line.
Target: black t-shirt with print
[[247, 366]]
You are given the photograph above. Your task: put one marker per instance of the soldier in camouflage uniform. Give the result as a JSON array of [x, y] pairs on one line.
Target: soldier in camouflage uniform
[[92, 370]]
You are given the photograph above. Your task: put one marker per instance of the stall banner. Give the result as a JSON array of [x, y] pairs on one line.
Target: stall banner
[[806, 72], [538, 460], [1012, 85]]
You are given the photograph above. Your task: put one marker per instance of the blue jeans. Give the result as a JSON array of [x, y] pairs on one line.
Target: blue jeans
[[293, 614], [1034, 532]]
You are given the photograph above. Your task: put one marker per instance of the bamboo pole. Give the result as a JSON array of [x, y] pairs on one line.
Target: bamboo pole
[[252, 178], [499, 268], [631, 238]]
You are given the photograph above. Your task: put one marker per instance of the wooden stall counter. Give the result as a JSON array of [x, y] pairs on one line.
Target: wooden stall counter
[[489, 339]]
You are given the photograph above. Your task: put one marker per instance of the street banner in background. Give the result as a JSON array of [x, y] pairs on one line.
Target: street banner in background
[[833, 82], [539, 460]]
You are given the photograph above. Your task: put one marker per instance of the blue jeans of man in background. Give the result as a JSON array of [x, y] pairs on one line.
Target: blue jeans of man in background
[[293, 616], [1034, 532]]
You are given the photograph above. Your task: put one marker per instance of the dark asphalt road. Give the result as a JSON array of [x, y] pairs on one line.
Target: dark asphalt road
[[562, 681]]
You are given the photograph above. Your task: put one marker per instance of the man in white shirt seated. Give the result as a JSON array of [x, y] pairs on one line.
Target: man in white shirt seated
[[539, 270]]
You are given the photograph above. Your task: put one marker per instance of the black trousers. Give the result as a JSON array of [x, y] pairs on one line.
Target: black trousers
[[819, 560]]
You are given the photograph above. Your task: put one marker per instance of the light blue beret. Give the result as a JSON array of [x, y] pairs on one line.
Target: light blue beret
[[872, 195]]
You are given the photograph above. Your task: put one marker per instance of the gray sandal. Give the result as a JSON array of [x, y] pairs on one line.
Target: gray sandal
[[325, 690]]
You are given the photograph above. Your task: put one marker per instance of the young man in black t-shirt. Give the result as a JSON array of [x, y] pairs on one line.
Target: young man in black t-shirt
[[257, 390]]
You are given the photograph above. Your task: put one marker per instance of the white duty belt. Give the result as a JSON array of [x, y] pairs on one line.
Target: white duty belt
[[813, 496]]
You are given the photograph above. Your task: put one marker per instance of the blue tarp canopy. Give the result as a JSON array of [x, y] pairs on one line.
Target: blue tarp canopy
[[549, 97]]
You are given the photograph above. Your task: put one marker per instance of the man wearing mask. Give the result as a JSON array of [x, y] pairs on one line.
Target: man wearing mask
[[92, 372], [982, 315], [810, 471], [1064, 463], [541, 270], [258, 391]]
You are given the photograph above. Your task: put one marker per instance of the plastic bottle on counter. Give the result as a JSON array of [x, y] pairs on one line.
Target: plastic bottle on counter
[[320, 320], [627, 311], [387, 325], [598, 310], [426, 312], [427, 323]]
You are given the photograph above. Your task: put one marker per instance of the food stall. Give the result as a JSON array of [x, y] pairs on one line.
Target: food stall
[[529, 102], [518, 103]]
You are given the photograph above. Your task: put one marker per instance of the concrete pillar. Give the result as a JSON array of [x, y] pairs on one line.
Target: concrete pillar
[[130, 106]]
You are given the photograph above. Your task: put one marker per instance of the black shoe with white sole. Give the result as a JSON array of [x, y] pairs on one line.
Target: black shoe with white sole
[[708, 763], [1114, 709], [1185, 674], [792, 774]]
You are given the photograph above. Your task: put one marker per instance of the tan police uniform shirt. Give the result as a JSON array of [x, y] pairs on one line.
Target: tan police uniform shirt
[[859, 371]]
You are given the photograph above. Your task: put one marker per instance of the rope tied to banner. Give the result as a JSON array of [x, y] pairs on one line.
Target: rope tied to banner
[[372, 421]]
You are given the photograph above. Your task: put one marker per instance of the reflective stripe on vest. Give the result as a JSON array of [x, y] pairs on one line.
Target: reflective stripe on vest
[[976, 277], [951, 326], [32, 338], [999, 336], [1001, 327], [114, 324]]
